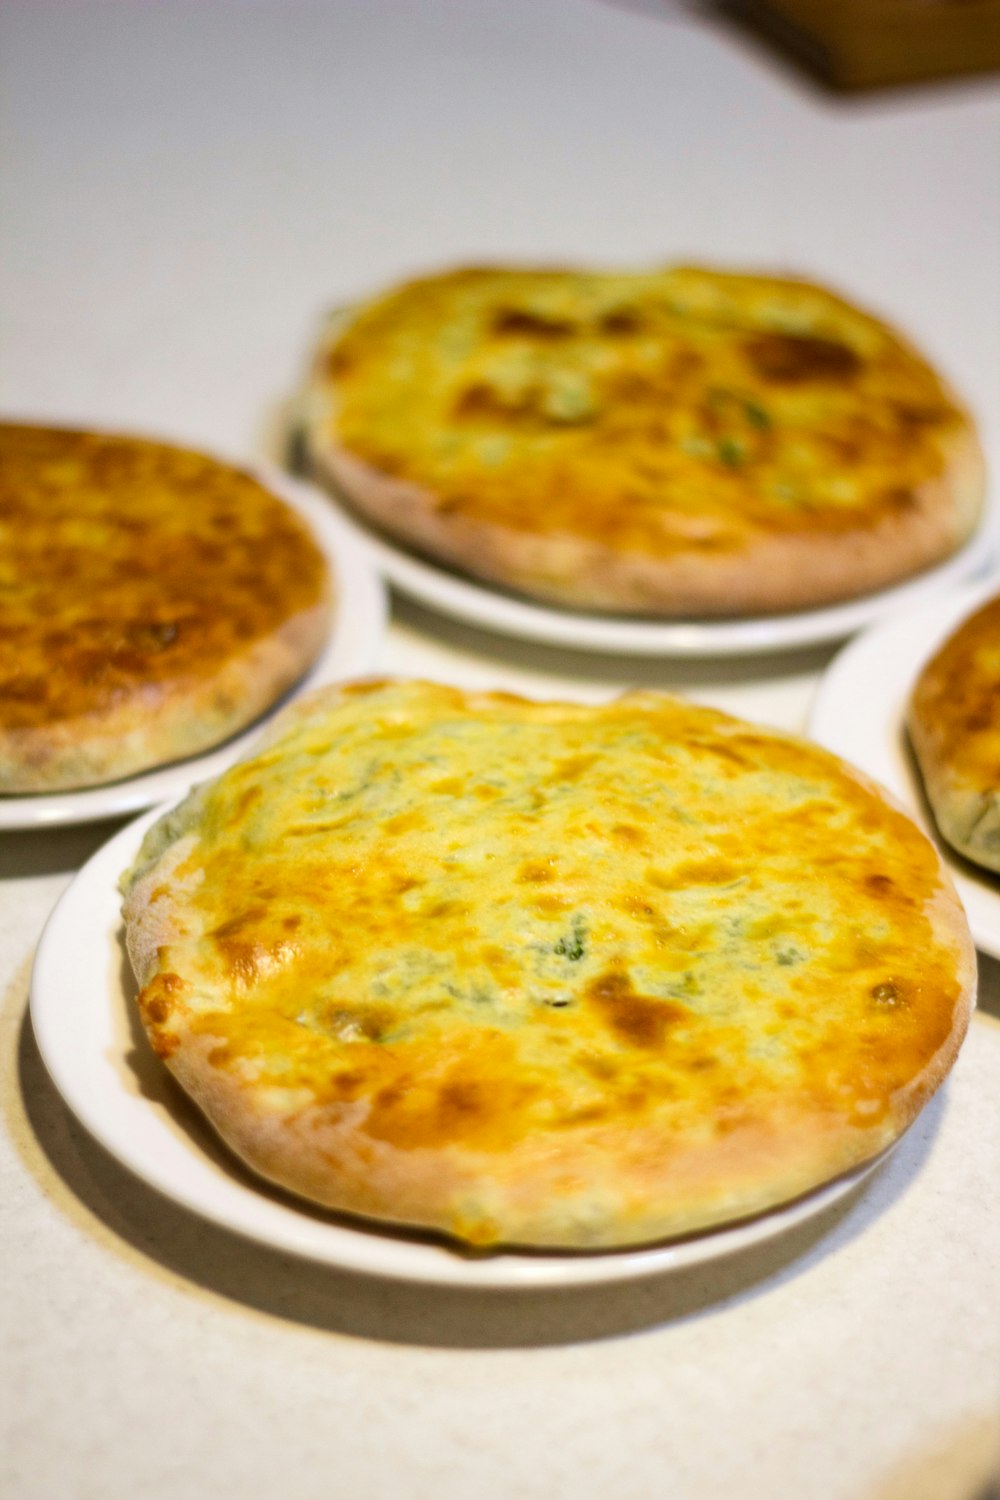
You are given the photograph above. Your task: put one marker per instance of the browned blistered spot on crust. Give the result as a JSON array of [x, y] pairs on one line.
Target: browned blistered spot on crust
[[724, 751], [248, 948], [480, 400], [623, 320], [518, 320], [791, 358], [349, 1083], [640, 1020], [537, 872], [911, 414], [158, 1002], [338, 361], [159, 998]]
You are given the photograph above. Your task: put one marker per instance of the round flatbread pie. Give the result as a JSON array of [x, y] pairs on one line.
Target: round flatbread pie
[[672, 443], [543, 974], [153, 601], [954, 727]]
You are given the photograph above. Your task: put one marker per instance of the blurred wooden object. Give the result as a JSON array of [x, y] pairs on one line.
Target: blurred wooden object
[[858, 44]]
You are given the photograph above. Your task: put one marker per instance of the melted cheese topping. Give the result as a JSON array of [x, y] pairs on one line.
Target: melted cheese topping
[[127, 566], [958, 698], [678, 409], [491, 921]]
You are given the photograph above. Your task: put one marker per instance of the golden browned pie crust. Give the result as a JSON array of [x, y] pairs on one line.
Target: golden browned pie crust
[[954, 726], [153, 601], [546, 974], [677, 442]]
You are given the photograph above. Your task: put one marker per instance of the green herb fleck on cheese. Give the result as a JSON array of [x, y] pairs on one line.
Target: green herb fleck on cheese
[[731, 452], [574, 945], [756, 415]]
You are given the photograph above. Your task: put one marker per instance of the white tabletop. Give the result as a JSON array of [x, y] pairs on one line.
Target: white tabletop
[[185, 187]]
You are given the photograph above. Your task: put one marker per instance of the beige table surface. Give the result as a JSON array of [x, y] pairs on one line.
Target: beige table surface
[[184, 188]]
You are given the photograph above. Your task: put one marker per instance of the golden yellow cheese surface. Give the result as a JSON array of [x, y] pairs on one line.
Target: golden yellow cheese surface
[[494, 922], [129, 566], [664, 411]]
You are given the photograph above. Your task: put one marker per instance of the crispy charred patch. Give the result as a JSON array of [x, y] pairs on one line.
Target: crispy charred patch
[[789, 359]]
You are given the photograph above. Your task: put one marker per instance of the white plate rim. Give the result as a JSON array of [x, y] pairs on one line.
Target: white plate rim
[[351, 649], [880, 666], [78, 1014], [476, 603]]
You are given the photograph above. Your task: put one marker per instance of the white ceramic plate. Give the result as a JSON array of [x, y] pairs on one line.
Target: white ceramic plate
[[94, 1049], [492, 609], [858, 712], [351, 650]]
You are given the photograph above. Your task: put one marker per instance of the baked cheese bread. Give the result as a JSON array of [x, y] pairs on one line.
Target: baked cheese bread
[[152, 602], [678, 442], [543, 974], [954, 727]]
